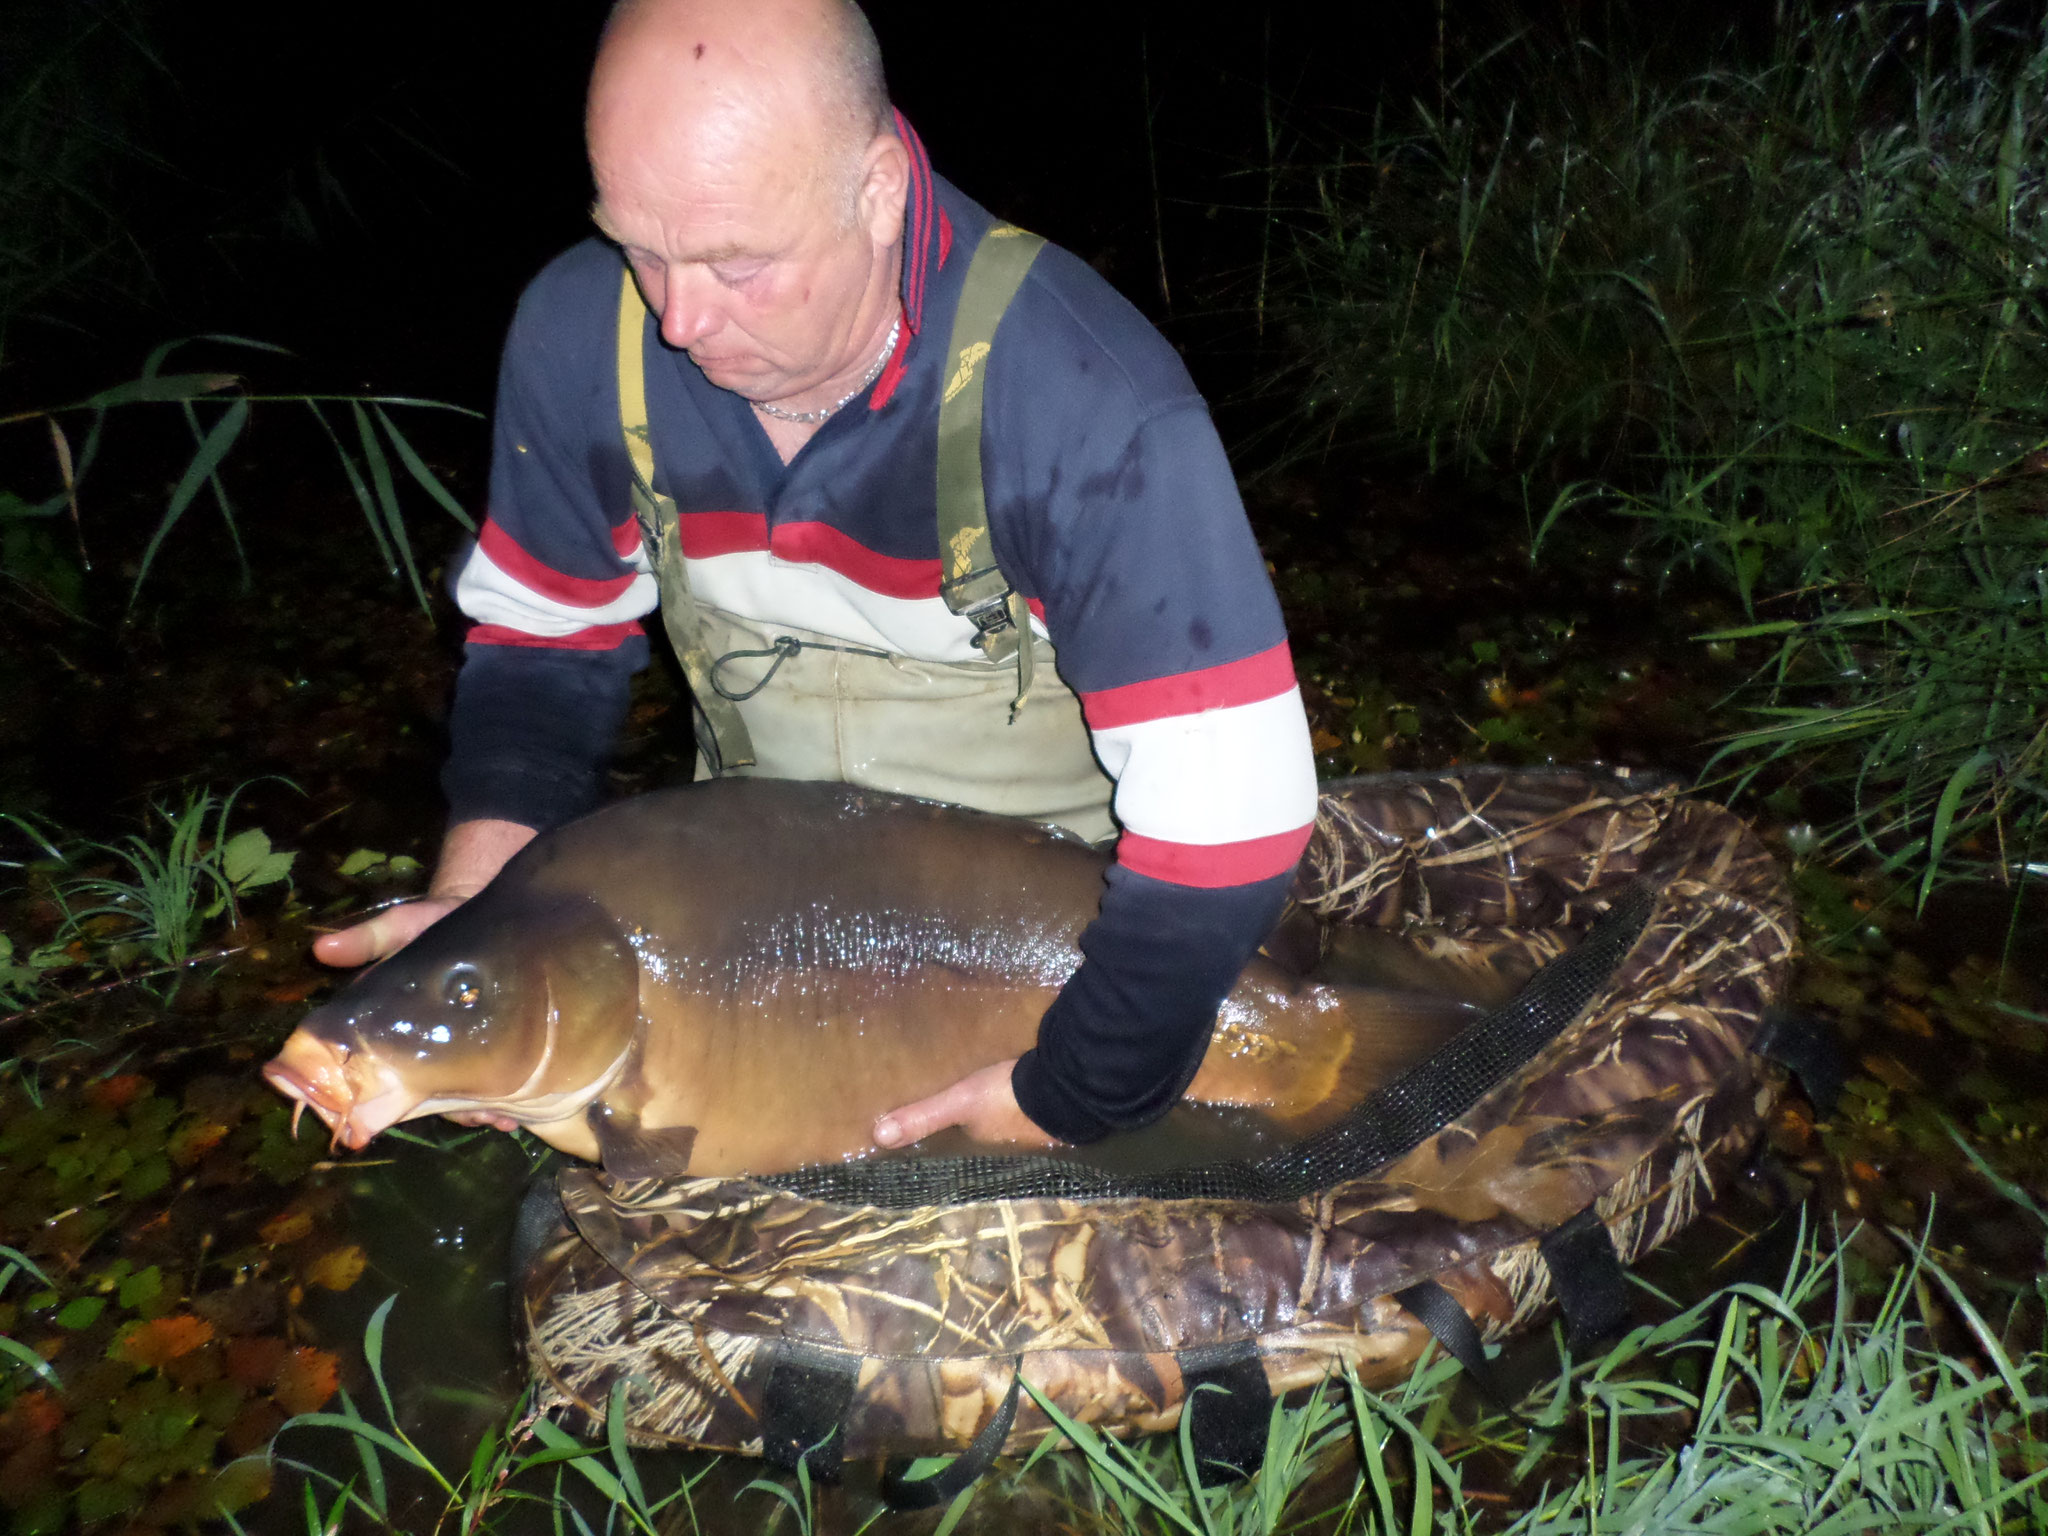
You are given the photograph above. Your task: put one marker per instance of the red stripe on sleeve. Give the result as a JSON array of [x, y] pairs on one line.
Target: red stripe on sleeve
[[626, 538], [822, 544], [708, 534], [1264, 676], [1210, 865], [574, 591], [599, 637]]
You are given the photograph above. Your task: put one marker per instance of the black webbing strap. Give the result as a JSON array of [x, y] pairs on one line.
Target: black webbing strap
[[803, 1406], [1808, 1048], [1438, 1311], [1229, 1406], [946, 1483], [1586, 1275]]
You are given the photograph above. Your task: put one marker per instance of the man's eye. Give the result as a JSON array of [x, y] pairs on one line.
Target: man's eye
[[738, 274]]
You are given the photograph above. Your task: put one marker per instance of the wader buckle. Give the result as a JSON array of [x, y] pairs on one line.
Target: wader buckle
[[994, 634]]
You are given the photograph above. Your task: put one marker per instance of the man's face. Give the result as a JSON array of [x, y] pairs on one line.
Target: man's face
[[756, 268]]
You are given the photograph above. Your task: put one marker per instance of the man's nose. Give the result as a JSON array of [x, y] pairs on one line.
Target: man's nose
[[689, 309]]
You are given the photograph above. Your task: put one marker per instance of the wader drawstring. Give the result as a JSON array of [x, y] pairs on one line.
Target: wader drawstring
[[781, 648]]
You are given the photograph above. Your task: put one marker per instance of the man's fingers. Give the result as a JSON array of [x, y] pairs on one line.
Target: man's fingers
[[981, 1101], [489, 1117], [914, 1122], [386, 933]]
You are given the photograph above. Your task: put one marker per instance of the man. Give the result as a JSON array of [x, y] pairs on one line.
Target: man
[[800, 274]]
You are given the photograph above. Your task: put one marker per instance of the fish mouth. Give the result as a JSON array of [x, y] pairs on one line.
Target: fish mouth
[[355, 1096]]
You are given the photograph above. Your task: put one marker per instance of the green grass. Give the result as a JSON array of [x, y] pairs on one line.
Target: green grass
[[171, 886], [1787, 317]]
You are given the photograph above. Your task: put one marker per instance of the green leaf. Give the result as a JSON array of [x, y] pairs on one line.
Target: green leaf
[[1944, 818], [363, 1429], [81, 1311], [417, 468], [615, 1437], [360, 860], [15, 1260], [213, 447], [249, 861], [373, 1352], [169, 386], [558, 1439], [243, 853], [360, 489], [146, 1177], [141, 1288], [20, 1353], [103, 1498], [239, 1484], [387, 500]]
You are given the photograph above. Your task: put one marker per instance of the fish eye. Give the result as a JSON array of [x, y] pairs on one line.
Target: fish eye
[[464, 988]]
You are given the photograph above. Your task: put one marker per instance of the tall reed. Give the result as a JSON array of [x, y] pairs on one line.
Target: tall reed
[[1788, 317]]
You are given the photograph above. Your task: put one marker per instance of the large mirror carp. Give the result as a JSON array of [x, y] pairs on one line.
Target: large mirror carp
[[738, 977]]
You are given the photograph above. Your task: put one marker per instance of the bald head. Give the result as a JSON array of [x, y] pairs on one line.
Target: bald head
[[800, 80]]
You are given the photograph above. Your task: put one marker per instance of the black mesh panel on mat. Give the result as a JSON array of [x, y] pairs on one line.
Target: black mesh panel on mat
[[1388, 1123]]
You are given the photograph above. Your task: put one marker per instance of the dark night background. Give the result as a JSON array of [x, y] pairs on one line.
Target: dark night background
[[371, 186]]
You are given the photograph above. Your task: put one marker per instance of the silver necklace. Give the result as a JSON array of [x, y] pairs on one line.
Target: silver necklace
[[808, 418]]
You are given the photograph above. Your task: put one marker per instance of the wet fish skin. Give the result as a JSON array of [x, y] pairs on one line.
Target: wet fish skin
[[740, 975]]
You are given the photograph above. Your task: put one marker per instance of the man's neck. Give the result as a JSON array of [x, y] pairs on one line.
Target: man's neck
[[788, 436]]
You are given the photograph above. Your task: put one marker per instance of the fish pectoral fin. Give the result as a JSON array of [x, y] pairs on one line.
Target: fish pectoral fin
[[1295, 943], [630, 1150]]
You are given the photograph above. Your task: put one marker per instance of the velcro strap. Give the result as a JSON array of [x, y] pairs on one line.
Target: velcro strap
[[803, 1406], [1438, 1311], [1587, 1276], [1808, 1048], [946, 1483], [1228, 1406]]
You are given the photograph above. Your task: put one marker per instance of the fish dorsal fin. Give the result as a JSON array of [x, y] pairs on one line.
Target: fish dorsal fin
[[630, 1150]]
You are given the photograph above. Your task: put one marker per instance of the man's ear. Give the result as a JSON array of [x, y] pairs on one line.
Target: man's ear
[[884, 184]]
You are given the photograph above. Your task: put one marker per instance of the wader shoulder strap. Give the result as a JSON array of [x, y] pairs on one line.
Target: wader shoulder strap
[[973, 586], [722, 734]]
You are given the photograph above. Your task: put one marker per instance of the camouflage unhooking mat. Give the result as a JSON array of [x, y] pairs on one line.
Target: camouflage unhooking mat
[[820, 1314]]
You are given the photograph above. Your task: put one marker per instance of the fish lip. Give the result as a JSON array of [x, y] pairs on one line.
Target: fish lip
[[361, 1122], [331, 1080]]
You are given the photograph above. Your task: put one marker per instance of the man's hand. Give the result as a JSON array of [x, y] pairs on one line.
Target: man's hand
[[386, 933], [982, 1104], [471, 855]]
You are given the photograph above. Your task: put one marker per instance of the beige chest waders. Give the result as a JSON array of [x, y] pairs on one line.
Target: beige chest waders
[[789, 703]]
